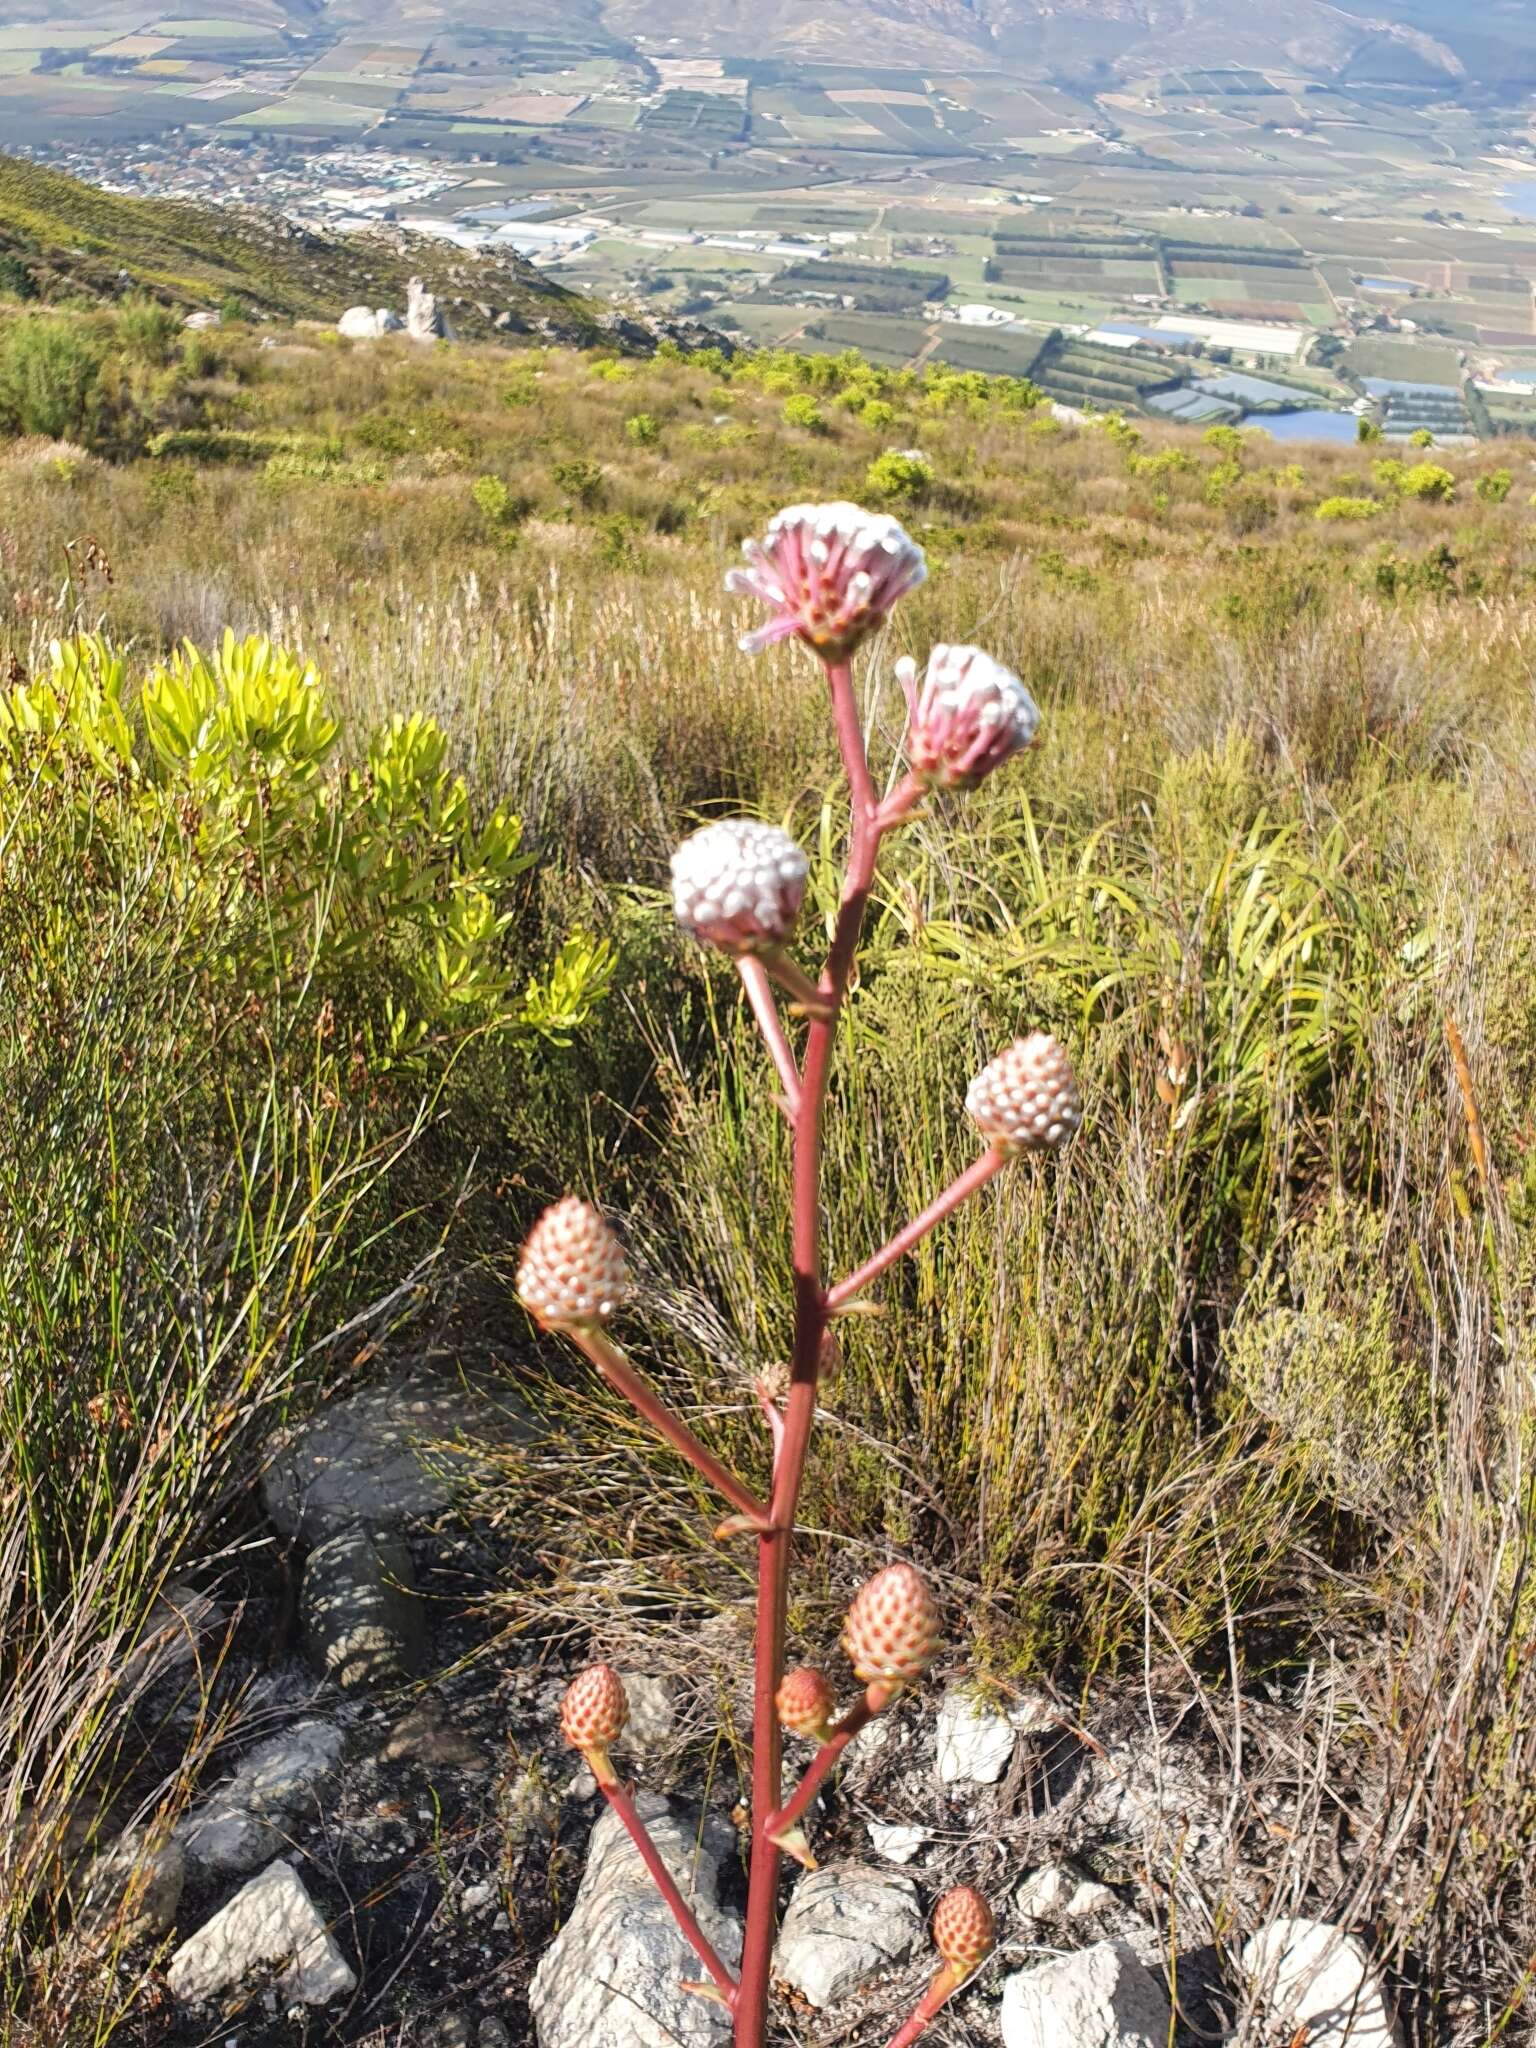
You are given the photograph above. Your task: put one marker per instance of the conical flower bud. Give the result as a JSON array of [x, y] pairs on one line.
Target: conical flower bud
[[806, 1703], [964, 1929], [594, 1710], [892, 1629], [830, 573], [739, 885], [572, 1272], [971, 716], [1027, 1099]]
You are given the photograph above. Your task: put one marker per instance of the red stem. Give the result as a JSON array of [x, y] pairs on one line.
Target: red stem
[[875, 1700], [754, 977], [937, 1996], [621, 1375], [775, 1545], [975, 1176], [666, 1884]]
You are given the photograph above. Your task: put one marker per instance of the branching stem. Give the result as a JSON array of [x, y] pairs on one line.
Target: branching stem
[[618, 1798], [935, 1998], [783, 1825], [987, 1167], [621, 1375], [754, 978]]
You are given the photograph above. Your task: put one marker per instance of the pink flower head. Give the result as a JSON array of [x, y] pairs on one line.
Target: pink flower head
[[830, 574], [964, 1929], [594, 1710], [971, 716], [572, 1274], [892, 1630], [1027, 1099], [739, 885]]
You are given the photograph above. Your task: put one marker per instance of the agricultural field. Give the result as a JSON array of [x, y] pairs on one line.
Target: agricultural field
[[811, 189]]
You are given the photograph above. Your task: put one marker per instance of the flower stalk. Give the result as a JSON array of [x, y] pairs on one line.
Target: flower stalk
[[830, 575]]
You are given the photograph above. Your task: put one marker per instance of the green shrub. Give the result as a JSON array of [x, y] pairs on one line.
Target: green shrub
[[581, 480], [148, 330], [16, 281], [643, 429], [878, 414], [1429, 481], [378, 884], [1494, 488], [52, 382], [1421, 437], [1348, 508], [801, 410], [1367, 429], [500, 510], [898, 475]]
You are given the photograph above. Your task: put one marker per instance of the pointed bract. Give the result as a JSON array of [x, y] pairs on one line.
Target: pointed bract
[[829, 573], [572, 1273], [892, 1629], [1027, 1099]]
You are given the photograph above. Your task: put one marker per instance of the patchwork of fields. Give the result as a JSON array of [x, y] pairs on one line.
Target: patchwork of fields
[[965, 215]]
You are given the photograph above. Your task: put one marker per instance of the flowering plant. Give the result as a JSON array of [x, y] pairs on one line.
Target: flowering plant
[[830, 574]]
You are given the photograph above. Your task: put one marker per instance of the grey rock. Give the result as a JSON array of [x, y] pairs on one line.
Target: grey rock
[[180, 1622], [133, 1889], [270, 1924], [452, 2030], [1101, 1997], [844, 1925], [363, 1624], [1319, 1983], [493, 2034], [1060, 1891], [243, 1822], [613, 1976], [424, 319], [652, 1710], [388, 1456]]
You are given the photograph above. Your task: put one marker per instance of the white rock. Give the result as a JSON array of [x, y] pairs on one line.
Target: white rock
[[241, 1823], [976, 1740], [613, 1976], [897, 1844], [135, 1887], [270, 1923], [359, 323], [1058, 1891], [388, 322], [843, 1926], [1101, 1997], [200, 323], [1320, 1983]]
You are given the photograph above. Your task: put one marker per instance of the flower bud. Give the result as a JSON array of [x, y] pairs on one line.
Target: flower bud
[[892, 1629], [971, 716], [572, 1273], [739, 885], [806, 1703], [964, 1929], [1027, 1100], [830, 573], [594, 1710]]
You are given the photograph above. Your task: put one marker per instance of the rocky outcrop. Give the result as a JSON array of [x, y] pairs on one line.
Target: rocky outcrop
[[843, 1926], [271, 1924], [613, 1977], [1101, 1997], [1318, 1982]]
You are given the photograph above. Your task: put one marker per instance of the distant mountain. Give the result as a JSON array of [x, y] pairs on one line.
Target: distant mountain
[[1107, 35], [60, 238]]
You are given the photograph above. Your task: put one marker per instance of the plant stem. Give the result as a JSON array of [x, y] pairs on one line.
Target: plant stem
[[935, 1998], [619, 1799], [875, 1700], [987, 1167], [621, 1375], [754, 977], [776, 1544], [902, 802]]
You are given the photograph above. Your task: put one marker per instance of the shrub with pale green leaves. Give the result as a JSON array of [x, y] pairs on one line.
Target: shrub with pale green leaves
[[900, 474], [375, 881], [1348, 508]]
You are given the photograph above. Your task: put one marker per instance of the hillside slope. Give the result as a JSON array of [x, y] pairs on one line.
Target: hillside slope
[[66, 239]]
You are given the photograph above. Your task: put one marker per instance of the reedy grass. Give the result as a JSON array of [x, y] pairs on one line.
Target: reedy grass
[[1274, 835]]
